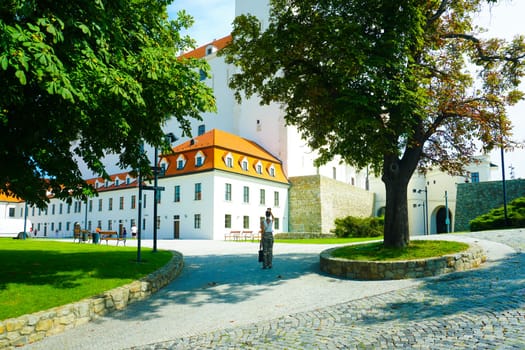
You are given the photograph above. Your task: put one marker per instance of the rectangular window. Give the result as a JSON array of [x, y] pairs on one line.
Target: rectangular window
[[229, 162], [90, 205], [262, 200], [133, 201], [68, 226], [11, 212], [197, 221], [68, 208], [198, 191], [228, 192], [245, 222], [144, 201], [246, 194], [176, 197], [227, 221], [276, 223], [121, 203], [99, 223], [475, 177], [276, 199], [110, 203], [60, 208], [100, 204], [53, 209], [201, 130], [60, 226], [110, 225]]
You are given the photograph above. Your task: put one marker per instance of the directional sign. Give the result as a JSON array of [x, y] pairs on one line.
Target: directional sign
[[152, 188]]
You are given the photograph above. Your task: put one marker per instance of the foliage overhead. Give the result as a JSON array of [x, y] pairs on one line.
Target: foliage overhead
[[388, 84], [84, 79]]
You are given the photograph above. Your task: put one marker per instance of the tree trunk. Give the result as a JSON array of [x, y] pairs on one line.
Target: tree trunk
[[396, 177]]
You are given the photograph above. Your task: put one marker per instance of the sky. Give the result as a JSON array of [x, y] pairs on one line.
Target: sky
[[213, 20]]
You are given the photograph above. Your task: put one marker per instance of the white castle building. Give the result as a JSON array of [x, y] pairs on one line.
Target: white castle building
[[240, 161]]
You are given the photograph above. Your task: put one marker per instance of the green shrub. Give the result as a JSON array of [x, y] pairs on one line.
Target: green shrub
[[358, 227], [495, 219]]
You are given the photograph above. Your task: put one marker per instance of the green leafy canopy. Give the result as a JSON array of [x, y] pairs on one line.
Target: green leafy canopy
[[84, 79], [383, 84]]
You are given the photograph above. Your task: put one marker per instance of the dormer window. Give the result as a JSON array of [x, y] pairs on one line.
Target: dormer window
[[210, 49], [128, 180], [244, 164], [199, 159], [106, 183], [228, 160], [163, 166], [117, 182], [258, 167], [181, 162], [271, 171]]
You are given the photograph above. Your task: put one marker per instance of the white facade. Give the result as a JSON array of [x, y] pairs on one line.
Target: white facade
[[431, 194], [11, 217]]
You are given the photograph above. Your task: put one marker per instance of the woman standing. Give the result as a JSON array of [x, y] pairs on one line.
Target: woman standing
[[267, 239]]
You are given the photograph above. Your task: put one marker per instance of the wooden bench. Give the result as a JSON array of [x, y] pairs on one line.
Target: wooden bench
[[81, 235], [233, 234], [112, 236], [247, 235]]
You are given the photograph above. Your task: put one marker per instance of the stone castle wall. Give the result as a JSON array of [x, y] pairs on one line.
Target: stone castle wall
[[475, 199], [316, 201]]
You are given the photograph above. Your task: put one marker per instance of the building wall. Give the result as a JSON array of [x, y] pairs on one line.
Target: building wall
[[475, 199], [316, 201], [212, 208]]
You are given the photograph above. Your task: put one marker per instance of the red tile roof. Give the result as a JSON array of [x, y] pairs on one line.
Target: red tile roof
[[10, 198], [215, 146], [200, 52]]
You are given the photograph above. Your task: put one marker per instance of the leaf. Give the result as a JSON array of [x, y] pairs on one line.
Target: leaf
[[21, 76], [4, 62]]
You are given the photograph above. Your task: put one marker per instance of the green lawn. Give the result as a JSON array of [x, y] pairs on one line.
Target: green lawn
[[40, 274], [417, 249]]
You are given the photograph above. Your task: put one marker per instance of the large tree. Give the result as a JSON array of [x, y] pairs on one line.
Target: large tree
[[389, 84], [81, 79]]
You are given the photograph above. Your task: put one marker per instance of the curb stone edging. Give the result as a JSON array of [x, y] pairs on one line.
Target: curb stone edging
[[471, 258], [15, 332]]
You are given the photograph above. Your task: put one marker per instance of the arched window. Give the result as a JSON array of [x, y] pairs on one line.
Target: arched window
[[181, 162], [199, 159]]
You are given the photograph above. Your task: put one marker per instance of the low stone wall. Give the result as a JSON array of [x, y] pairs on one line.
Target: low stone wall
[[15, 332], [471, 258]]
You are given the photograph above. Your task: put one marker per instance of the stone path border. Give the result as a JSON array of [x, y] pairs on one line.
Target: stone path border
[[471, 258], [15, 332]]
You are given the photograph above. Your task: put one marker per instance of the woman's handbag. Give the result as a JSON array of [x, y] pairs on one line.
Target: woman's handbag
[[260, 252]]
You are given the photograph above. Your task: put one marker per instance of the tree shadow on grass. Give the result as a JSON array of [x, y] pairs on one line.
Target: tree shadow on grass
[[64, 270]]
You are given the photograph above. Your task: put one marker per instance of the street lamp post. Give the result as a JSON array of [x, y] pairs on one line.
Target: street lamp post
[[504, 186], [25, 221], [425, 209], [447, 217], [170, 137]]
